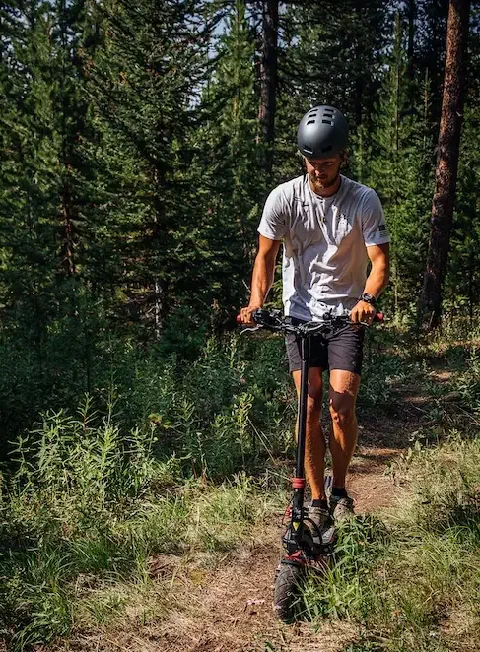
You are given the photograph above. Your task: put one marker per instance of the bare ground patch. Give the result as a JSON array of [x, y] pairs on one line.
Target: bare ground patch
[[228, 610]]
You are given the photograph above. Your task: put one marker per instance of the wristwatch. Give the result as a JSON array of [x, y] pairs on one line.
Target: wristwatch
[[369, 298]]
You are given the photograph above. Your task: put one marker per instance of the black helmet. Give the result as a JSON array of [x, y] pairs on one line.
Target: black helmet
[[323, 132]]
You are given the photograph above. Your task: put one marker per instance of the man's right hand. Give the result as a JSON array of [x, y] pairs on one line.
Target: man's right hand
[[246, 314]]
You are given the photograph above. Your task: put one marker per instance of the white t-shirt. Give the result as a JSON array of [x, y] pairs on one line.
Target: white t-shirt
[[325, 239]]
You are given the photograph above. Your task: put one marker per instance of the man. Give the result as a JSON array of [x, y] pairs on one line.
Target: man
[[330, 227]]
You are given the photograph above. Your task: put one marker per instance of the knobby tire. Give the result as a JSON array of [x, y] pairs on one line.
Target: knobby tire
[[287, 591]]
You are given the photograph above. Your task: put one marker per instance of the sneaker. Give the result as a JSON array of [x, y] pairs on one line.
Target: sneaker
[[320, 517], [341, 507]]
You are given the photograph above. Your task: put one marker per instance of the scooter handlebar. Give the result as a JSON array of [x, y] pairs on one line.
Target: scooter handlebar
[[275, 321]]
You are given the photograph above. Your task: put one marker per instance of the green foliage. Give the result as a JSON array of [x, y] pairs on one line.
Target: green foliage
[[89, 500], [462, 286], [93, 501], [403, 581], [227, 155], [401, 152], [66, 451], [131, 186], [346, 587]]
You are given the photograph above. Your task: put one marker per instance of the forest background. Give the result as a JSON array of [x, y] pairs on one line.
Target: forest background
[[138, 143]]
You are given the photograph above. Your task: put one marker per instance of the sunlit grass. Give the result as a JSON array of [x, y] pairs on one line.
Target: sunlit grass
[[91, 508], [95, 508], [404, 581]]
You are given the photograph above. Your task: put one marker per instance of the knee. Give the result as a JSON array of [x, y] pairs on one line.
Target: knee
[[342, 412]]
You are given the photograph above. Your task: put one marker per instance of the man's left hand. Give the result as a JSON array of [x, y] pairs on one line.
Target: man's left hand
[[363, 312]]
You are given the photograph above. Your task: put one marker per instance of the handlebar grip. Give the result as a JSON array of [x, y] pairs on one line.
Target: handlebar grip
[[258, 316], [262, 316]]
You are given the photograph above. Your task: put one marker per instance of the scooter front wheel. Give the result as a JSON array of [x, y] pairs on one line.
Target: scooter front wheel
[[287, 591]]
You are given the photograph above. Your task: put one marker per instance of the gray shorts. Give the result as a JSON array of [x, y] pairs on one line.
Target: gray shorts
[[342, 351]]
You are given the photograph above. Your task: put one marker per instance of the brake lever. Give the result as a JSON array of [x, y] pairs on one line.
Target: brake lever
[[379, 318], [251, 329]]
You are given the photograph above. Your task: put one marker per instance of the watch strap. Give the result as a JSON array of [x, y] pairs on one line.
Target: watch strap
[[369, 298]]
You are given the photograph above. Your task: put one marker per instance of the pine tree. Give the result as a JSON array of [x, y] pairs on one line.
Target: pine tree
[[399, 171], [430, 48], [462, 286], [268, 80], [42, 119], [331, 53], [235, 183], [143, 83]]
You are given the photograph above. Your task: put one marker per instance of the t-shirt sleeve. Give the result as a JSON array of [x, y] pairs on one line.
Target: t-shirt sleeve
[[375, 230], [273, 224]]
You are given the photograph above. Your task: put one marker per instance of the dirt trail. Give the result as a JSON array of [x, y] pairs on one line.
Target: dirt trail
[[229, 608], [233, 611]]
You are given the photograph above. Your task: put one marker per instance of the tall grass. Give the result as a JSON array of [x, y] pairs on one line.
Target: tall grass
[[409, 582], [97, 490], [166, 457], [89, 500]]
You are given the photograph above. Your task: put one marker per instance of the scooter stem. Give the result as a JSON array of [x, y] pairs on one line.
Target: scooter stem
[[299, 482], [302, 415]]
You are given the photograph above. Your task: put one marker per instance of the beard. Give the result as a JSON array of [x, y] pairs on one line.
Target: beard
[[323, 184]]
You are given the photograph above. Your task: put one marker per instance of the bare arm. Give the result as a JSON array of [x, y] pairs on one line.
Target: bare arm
[[376, 282], [378, 278], [262, 276]]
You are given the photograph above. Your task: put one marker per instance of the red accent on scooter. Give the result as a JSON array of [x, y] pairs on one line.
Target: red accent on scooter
[[299, 483], [298, 557]]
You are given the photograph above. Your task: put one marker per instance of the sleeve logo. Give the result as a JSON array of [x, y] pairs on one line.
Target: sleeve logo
[[382, 229]]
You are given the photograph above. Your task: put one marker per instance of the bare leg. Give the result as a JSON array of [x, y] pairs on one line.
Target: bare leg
[[315, 443], [343, 392]]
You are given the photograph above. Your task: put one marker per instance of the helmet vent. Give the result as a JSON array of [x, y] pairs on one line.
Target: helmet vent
[[327, 122], [311, 122]]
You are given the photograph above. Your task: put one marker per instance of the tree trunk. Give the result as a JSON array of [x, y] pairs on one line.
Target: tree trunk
[[447, 161], [268, 80], [411, 15]]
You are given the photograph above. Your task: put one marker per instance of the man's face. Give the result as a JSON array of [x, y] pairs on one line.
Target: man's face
[[324, 172]]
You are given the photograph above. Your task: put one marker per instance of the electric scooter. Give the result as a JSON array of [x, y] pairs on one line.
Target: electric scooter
[[305, 545]]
